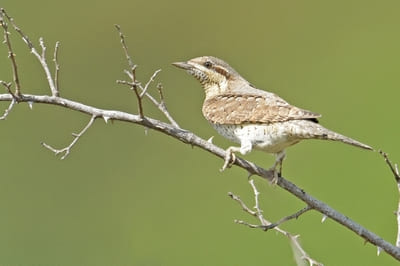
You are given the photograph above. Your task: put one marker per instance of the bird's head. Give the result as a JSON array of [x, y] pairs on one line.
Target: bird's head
[[214, 74]]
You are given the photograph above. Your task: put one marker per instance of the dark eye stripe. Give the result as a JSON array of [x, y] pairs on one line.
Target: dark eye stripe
[[222, 71]]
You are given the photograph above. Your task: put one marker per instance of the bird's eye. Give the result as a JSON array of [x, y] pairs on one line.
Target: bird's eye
[[207, 64]]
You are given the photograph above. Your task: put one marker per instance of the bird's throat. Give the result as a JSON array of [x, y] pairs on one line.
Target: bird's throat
[[213, 89]]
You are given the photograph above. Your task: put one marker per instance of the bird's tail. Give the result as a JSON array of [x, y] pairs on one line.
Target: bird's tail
[[319, 132], [324, 133]]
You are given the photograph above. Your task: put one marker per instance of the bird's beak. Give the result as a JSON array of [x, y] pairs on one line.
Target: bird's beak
[[183, 65]]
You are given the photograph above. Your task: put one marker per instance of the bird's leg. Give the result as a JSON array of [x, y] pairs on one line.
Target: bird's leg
[[230, 157], [278, 163]]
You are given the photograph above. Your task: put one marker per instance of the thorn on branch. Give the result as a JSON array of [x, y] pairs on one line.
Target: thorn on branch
[[378, 251], [67, 149], [106, 118]]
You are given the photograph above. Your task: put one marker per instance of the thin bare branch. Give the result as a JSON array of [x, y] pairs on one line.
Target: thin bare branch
[[8, 110], [67, 149], [11, 54], [393, 168], [41, 57], [160, 105], [257, 203], [135, 85], [289, 217], [144, 90], [125, 47], [41, 43], [395, 171], [294, 240], [255, 226], [242, 204], [124, 82], [163, 107], [8, 88], [17, 29], [298, 250], [139, 99], [132, 73], [160, 92], [57, 69]]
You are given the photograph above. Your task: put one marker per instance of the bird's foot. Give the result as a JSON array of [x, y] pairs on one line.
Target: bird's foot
[[277, 175], [230, 158], [277, 167]]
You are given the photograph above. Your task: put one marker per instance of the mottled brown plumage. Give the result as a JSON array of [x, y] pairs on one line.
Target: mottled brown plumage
[[243, 108], [252, 117]]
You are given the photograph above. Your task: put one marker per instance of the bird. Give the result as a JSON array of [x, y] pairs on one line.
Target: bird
[[254, 118]]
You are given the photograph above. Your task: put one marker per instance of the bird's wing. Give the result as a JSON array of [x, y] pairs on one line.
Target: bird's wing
[[248, 108]]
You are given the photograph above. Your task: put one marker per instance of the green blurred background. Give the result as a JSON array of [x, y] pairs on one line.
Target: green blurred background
[[124, 198]]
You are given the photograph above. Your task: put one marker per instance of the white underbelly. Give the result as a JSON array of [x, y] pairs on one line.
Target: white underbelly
[[271, 138]]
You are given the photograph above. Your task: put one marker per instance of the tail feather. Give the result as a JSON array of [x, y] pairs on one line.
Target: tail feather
[[339, 137], [331, 135]]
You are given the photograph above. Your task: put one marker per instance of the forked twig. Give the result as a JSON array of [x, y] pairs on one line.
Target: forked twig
[[41, 57], [242, 204], [135, 85], [8, 88], [67, 149], [265, 224]]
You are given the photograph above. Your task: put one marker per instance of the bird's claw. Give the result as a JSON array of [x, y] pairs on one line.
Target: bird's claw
[[277, 167], [230, 158], [277, 175]]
